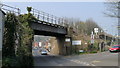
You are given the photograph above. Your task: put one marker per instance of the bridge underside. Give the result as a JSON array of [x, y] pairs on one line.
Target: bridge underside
[[45, 33], [51, 30], [48, 29], [59, 37]]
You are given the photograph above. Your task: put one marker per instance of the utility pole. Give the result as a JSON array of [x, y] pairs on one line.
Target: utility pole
[[92, 40], [105, 36], [105, 39], [92, 37], [113, 36]]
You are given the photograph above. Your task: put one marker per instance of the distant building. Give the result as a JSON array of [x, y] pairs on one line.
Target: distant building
[[35, 44], [40, 44]]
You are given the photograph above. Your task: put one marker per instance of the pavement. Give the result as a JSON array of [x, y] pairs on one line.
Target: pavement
[[99, 59]]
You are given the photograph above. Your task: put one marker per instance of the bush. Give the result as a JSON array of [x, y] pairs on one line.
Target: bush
[[22, 55], [93, 52], [9, 62], [25, 61]]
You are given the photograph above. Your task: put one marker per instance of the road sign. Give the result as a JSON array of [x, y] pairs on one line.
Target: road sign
[[81, 50], [67, 39], [92, 36], [76, 42], [40, 44], [96, 30], [92, 41]]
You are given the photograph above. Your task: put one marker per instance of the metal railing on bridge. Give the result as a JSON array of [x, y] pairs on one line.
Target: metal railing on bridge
[[48, 18], [9, 9], [43, 17]]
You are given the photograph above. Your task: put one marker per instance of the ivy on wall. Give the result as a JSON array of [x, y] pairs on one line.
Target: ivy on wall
[[17, 28], [9, 35]]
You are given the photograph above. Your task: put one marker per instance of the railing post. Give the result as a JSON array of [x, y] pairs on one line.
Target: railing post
[[18, 11], [52, 19], [43, 16], [47, 17], [55, 20], [59, 21], [62, 22]]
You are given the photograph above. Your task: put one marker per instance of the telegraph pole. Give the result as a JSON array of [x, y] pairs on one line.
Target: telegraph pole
[[105, 36]]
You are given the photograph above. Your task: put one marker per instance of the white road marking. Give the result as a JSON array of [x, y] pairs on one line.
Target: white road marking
[[95, 61], [80, 62], [93, 65]]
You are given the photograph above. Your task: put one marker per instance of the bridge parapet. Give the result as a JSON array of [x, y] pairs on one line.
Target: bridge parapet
[[48, 18], [9, 9], [46, 22]]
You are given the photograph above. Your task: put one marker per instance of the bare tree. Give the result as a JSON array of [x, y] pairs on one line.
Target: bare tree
[[113, 8], [90, 25]]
